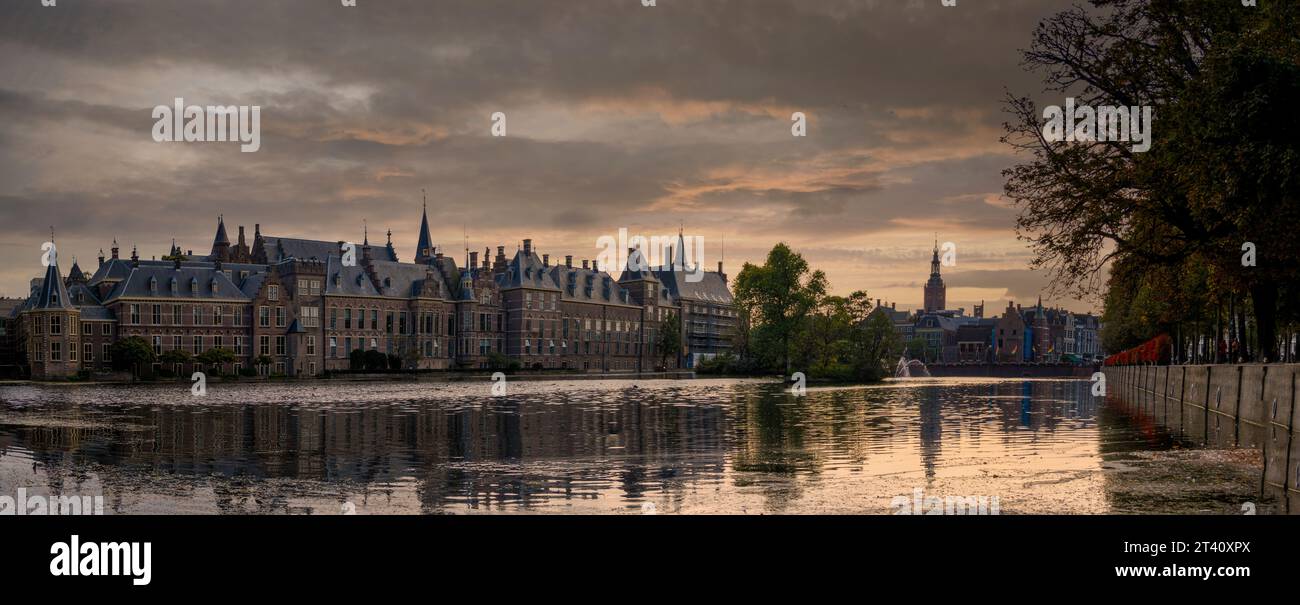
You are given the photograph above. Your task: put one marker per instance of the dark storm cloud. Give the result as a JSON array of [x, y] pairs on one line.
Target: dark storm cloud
[[620, 116]]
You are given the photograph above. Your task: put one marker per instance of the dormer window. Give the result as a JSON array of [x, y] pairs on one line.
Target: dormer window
[[194, 286], [213, 285], [388, 282], [172, 285], [153, 284]]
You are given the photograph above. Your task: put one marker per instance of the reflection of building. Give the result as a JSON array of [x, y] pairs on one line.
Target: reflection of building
[[300, 307]]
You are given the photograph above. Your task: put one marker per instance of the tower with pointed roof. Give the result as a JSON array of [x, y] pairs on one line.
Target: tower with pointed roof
[[936, 293], [50, 323], [220, 243], [424, 252]]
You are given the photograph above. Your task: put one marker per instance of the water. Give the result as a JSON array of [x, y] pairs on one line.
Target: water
[[631, 447]]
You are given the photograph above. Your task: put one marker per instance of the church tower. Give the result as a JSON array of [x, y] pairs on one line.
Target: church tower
[[935, 292], [424, 252]]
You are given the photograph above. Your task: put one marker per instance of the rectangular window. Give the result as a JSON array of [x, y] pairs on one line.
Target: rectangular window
[[239, 345], [157, 345], [334, 347], [56, 325], [106, 329], [89, 354], [176, 342], [273, 293], [198, 315], [347, 319], [334, 318], [310, 317], [198, 345], [157, 314], [264, 345], [107, 352], [216, 316], [239, 316], [279, 345], [56, 351], [264, 317], [311, 346], [279, 317], [135, 314]]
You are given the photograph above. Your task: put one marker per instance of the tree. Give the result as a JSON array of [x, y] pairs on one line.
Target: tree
[[263, 361], [873, 344], [131, 352], [216, 357], [175, 356], [375, 360], [357, 359], [776, 298], [1222, 83], [670, 339]]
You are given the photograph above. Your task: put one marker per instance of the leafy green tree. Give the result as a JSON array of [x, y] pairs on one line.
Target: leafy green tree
[[216, 358], [1220, 173], [131, 352], [670, 339], [175, 356], [776, 298]]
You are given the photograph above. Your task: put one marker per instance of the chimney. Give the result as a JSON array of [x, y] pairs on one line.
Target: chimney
[[894, 305], [546, 260], [241, 235], [584, 264], [528, 247], [115, 249], [568, 260], [473, 259], [216, 263]]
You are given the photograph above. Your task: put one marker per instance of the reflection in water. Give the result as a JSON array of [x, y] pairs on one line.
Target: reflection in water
[[706, 446]]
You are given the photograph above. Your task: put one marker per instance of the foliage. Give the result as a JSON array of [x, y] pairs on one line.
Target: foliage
[[669, 339], [131, 352], [793, 324], [1169, 224]]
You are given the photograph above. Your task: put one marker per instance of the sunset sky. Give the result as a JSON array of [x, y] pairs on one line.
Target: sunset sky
[[619, 116]]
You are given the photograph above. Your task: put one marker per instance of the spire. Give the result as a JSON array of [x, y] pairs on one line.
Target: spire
[[75, 275], [365, 233], [53, 293], [680, 261], [220, 239], [424, 246]]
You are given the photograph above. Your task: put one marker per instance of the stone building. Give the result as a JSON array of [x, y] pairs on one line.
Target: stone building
[[300, 307]]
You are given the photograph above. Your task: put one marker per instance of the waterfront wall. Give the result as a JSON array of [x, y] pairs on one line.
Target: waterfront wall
[[1010, 370], [1223, 406]]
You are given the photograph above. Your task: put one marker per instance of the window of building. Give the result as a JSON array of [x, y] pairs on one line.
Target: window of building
[[273, 292]]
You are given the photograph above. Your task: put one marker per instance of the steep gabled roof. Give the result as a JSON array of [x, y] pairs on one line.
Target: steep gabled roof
[[52, 294]]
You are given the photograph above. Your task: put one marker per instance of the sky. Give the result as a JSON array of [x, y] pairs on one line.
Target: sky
[[617, 115]]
